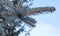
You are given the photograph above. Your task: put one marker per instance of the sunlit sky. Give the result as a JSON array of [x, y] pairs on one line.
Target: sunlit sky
[[47, 24]]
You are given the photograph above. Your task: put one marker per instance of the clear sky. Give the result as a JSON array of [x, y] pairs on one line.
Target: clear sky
[[47, 24]]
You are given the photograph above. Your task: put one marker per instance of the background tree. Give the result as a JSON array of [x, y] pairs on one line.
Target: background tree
[[14, 13]]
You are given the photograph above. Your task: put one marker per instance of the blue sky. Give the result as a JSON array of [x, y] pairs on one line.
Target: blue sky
[[48, 24]]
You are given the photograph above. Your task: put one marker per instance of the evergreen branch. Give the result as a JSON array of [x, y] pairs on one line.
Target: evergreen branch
[[29, 21], [38, 10]]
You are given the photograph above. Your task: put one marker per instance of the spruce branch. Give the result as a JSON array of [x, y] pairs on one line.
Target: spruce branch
[[38, 10]]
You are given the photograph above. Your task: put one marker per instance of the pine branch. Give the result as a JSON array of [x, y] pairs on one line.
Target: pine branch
[[29, 21], [38, 10], [12, 10]]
